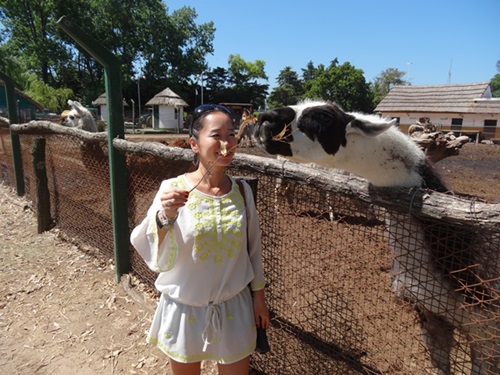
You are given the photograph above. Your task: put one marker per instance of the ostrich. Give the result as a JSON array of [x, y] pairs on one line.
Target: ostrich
[[438, 275]]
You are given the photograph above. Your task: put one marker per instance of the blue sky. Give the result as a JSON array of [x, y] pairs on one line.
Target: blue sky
[[423, 38]]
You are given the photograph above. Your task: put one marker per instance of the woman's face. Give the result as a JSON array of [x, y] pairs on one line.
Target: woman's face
[[217, 128]]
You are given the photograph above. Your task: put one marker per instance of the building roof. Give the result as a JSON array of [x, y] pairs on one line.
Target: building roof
[[460, 98], [167, 98], [102, 100], [26, 97]]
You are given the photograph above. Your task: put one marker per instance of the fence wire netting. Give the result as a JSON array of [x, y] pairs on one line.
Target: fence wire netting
[[339, 270]]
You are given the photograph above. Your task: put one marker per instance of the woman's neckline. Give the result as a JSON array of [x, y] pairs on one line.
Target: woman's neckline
[[192, 188]]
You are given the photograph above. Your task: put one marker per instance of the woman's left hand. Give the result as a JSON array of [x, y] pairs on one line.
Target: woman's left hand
[[260, 309]]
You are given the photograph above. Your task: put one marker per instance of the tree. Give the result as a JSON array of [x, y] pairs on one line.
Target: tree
[[495, 83], [289, 89], [175, 50], [310, 73], [241, 72], [49, 97], [140, 33], [217, 87], [495, 86], [385, 81], [344, 85], [243, 77]]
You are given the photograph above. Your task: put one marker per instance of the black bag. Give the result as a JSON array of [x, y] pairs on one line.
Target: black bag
[[262, 344]]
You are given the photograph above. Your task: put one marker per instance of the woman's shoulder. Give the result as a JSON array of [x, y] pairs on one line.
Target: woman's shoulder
[[240, 183], [175, 182]]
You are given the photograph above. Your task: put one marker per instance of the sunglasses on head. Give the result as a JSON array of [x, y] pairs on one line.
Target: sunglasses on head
[[198, 111], [204, 108]]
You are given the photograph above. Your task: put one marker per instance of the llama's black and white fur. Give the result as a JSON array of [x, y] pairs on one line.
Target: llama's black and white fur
[[79, 117], [374, 148]]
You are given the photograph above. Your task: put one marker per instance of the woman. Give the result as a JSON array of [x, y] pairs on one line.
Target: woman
[[195, 235]]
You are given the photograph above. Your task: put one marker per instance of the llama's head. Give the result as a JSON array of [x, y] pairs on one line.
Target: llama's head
[[78, 117], [313, 131], [322, 133]]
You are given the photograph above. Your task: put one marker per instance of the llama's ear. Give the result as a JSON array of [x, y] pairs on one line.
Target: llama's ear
[[368, 128], [78, 107], [393, 122]]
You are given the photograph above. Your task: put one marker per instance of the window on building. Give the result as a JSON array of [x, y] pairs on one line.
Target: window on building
[[456, 124], [489, 129]]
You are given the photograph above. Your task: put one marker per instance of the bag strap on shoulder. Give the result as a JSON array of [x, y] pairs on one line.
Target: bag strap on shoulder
[[242, 191]]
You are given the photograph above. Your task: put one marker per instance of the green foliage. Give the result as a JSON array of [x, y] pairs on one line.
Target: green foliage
[[342, 84], [289, 90], [165, 48], [240, 83], [49, 97], [385, 81], [495, 86], [241, 71]]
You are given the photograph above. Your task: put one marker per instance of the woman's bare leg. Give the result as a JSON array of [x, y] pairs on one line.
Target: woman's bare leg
[[179, 368], [237, 368]]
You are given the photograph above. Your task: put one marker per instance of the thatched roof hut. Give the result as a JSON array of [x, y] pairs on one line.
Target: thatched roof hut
[[167, 98], [101, 103], [168, 110], [102, 100]]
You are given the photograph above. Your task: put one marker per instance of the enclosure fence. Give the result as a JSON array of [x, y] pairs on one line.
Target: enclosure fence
[[326, 249]]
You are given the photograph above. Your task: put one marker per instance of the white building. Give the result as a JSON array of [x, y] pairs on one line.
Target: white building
[[102, 110], [168, 110], [462, 108]]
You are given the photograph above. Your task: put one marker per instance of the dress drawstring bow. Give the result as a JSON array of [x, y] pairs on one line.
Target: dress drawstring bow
[[212, 325]]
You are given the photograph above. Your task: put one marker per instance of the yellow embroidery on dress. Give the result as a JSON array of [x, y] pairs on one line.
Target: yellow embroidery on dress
[[171, 250], [217, 234], [204, 356]]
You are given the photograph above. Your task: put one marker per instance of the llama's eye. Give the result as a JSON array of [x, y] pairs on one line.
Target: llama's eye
[[72, 117]]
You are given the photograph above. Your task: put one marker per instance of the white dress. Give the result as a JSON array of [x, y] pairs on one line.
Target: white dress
[[205, 310]]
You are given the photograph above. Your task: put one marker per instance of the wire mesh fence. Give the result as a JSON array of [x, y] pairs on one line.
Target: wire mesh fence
[[349, 283]]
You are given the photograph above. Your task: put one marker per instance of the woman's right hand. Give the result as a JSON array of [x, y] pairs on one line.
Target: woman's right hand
[[171, 200]]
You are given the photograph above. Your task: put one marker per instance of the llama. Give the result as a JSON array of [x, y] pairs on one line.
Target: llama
[[372, 147], [95, 157], [78, 117], [246, 127]]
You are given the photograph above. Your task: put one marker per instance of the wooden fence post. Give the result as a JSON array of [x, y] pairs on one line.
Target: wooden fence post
[[42, 189]]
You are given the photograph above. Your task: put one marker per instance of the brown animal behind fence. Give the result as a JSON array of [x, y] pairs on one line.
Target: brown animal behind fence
[[328, 280]]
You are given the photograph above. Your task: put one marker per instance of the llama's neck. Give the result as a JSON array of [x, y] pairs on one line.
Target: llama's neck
[[87, 123], [390, 159]]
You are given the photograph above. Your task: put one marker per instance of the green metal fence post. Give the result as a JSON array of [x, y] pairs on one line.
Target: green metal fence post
[[17, 159], [117, 161]]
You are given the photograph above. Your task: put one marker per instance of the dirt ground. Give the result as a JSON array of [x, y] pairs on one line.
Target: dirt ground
[[61, 311]]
